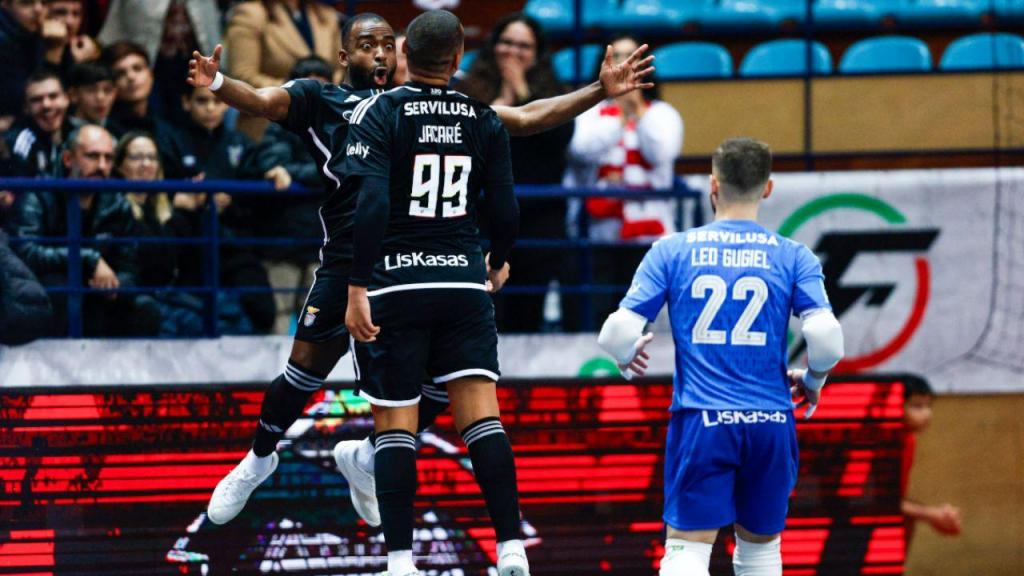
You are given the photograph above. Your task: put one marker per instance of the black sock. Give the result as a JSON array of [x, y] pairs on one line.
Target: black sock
[[282, 405], [394, 466], [430, 409], [495, 471]]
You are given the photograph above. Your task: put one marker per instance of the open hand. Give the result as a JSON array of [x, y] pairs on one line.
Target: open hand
[[202, 70], [631, 74]]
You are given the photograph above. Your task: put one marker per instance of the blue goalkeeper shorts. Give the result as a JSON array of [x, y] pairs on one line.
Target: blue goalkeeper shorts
[[726, 466]]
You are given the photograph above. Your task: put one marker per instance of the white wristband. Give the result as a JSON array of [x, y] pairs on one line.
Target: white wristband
[[218, 81], [813, 383]]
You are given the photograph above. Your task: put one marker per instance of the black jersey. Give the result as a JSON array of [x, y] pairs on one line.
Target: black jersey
[[430, 151], [320, 114]]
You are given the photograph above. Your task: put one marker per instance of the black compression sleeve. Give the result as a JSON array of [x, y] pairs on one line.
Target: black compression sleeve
[[371, 222], [504, 210]]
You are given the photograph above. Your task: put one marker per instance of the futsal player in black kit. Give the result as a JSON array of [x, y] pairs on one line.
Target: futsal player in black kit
[[419, 156], [320, 114]]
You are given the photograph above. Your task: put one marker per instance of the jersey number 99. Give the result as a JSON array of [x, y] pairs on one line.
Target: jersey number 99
[[715, 290], [426, 184]]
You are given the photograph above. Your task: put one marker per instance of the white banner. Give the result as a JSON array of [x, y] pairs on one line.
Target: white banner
[[925, 268]]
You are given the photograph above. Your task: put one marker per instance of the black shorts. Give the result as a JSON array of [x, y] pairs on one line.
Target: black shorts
[[448, 332], [322, 317]]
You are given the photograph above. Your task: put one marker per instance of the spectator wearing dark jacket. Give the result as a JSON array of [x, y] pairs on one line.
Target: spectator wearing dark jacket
[[25, 311], [167, 264], [289, 217], [35, 144], [134, 80], [89, 155], [206, 148], [65, 45], [292, 217], [21, 52]]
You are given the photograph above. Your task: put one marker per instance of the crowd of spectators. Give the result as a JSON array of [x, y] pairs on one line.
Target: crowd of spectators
[[115, 106]]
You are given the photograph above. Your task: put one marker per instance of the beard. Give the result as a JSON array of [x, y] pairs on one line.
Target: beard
[[364, 78]]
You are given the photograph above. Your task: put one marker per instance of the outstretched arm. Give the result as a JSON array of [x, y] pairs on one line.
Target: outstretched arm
[[269, 103], [615, 80]]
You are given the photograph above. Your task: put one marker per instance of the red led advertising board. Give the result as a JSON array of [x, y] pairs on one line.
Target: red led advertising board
[[115, 481]]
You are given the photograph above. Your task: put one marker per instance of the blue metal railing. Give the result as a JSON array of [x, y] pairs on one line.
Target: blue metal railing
[[212, 241]]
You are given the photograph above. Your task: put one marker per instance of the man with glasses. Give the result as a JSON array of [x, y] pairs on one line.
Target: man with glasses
[[88, 155]]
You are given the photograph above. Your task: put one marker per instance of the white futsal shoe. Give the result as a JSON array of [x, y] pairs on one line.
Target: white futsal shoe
[[513, 563], [362, 484], [233, 491]]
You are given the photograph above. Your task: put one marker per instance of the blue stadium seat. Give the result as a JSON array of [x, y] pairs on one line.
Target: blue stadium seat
[[563, 62], [692, 60], [1008, 11], [741, 14], [886, 54], [853, 13], [556, 16], [941, 12], [984, 52], [646, 16], [467, 60], [785, 58]]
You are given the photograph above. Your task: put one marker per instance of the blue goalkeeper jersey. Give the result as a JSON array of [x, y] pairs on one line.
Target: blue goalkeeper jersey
[[731, 287]]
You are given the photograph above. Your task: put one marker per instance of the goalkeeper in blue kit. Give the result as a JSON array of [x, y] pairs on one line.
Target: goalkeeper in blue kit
[[731, 454]]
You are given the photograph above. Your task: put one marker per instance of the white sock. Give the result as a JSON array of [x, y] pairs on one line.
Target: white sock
[[685, 558], [258, 465], [752, 559], [364, 455], [511, 547], [400, 563]]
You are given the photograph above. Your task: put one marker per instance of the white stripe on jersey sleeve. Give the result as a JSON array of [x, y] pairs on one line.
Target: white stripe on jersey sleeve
[[361, 108]]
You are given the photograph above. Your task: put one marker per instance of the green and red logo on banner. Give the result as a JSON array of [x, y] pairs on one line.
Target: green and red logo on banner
[[838, 249]]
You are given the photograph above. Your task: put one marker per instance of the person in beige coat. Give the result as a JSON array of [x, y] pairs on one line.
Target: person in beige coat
[[265, 38], [168, 31]]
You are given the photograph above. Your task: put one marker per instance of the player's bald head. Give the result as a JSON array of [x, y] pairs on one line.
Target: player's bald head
[[742, 167], [433, 40]]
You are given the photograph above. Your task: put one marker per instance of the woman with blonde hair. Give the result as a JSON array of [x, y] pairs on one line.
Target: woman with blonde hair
[[165, 264]]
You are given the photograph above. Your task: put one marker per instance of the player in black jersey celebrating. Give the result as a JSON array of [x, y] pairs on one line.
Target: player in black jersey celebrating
[[418, 157], [320, 114]]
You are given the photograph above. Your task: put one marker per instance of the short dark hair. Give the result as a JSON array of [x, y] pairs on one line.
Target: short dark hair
[[88, 73], [916, 386], [42, 75], [346, 29], [120, 50], [310, 66], [742, 167], [433, 39]]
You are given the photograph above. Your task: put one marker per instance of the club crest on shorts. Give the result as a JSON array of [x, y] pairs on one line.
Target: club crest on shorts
[[310, 317]]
